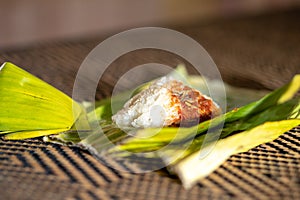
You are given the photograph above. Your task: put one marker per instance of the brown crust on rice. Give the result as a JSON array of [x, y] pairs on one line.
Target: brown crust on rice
[[192, 106]]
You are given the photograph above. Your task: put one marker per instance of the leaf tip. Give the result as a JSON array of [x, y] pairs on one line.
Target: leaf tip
[[3, 65]]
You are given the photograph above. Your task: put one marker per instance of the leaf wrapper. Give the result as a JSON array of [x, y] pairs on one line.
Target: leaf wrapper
[[195, 167], [30, 107]]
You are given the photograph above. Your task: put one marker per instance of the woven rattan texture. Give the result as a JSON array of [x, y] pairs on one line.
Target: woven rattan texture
[[258, 52]]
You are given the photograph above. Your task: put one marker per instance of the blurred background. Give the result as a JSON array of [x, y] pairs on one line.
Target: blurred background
[[32, 21], [261, 37]]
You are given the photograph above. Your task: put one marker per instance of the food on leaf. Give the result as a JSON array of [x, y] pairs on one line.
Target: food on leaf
[[191, 137], [166, 102]]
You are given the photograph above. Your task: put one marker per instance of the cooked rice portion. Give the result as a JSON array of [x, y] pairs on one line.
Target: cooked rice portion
[[167, 102]]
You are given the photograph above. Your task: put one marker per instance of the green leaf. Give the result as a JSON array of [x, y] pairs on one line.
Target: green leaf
[[31, 107], [20, 135], [276, 97], [194, 167]]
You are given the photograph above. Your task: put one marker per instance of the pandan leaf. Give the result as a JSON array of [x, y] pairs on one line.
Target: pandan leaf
[[31, 107]]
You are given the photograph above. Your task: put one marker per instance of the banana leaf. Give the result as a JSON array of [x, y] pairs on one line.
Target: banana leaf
[[30, 107], [196, 167]]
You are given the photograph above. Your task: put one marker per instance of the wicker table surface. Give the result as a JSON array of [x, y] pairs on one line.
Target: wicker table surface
[[257, 52]]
